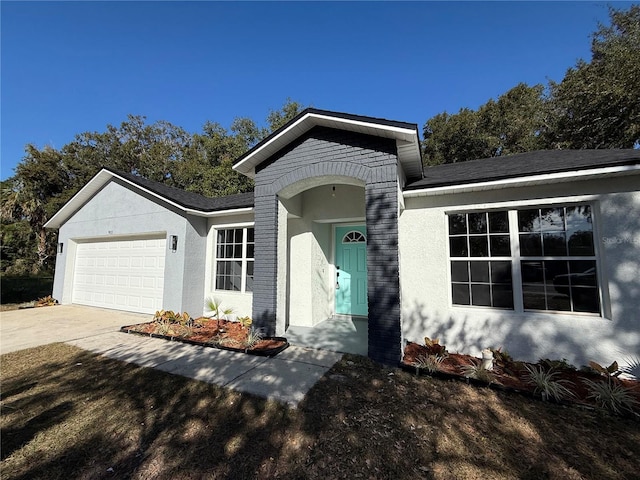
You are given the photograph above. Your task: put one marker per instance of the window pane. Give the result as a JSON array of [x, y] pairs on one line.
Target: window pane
[[250, 251], [554, 244], [556, 301], [501, 272], [457, 224], [219, 282], [250, 235], [237, 251], [581, 243], [552, 219], [533, 297], [460, 271], [580, 230], [586, 299], [530, 245], [458, 246], [249, 276], [498, 222], [500, 245], [554, 269], [481, 295], [532, 272], [528, 220], [479, 272], [460, 293], [238, 235], [478, 222], [478, 246], [220, 236], [502, 296]]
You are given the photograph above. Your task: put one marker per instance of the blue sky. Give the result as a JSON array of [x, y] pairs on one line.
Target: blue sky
[[70, 67]]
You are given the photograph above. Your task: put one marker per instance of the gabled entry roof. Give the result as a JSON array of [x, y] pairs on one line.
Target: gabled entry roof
[[405, 135], [188, 202]]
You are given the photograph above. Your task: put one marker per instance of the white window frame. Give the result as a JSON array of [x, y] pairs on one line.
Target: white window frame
[[512, 210], [244, 260]]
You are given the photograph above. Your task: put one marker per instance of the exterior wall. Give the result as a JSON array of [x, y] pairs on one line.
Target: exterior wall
[[425, 278], [326, 153], [116, 211], [239, 301]]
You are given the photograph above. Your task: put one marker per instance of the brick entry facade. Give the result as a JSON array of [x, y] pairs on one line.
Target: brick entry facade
[[326, 152]]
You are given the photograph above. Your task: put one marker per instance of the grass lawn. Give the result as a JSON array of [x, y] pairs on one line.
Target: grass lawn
[[67, 413]]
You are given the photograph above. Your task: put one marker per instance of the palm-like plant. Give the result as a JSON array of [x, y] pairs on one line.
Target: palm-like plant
[[214, 305], [547, 383]]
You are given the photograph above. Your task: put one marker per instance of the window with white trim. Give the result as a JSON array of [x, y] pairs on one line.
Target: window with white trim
[[234, 259], [548, 253]]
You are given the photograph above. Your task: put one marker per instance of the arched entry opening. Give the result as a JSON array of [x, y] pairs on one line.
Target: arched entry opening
[[326, 269]]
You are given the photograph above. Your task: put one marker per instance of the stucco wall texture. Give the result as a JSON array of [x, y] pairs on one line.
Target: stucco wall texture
[[117, 212], [425, 277]]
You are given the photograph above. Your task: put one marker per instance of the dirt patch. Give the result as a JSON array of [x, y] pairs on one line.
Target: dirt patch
[[67, 413]]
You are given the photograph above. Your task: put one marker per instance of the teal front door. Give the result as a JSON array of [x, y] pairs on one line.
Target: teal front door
[[351, 270]]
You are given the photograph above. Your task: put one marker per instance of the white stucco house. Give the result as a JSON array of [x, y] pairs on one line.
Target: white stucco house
[[537, 253]]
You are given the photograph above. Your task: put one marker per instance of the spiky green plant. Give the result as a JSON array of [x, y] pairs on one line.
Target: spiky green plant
[[253, 337], [611, 396], [478, 372], [632, 367], [430, 363], [547, 384], [214, 305]]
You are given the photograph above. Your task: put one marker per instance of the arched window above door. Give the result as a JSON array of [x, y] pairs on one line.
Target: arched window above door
[[354, 237]]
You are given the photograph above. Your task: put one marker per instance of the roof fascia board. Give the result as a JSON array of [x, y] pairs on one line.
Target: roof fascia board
[[521, 181], [97, 182], [222, 213]]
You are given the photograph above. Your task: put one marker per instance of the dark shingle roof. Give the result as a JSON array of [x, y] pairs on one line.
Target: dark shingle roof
[[523, 164], [190, 200]]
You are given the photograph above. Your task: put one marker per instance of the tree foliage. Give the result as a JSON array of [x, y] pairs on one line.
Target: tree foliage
[[596, 105], [47, 178]]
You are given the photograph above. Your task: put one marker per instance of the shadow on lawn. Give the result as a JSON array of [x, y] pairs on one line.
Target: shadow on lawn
[[95, 414]]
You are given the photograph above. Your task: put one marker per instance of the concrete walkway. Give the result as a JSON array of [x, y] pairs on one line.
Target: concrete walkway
[[285, 378]]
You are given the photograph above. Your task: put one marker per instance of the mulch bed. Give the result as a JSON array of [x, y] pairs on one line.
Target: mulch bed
[[206, 332], [511, 375]]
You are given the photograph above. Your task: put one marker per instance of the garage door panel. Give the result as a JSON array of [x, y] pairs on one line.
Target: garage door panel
[[125, 274]]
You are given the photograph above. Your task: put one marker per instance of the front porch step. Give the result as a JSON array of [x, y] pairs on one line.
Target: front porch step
[[337, 334]]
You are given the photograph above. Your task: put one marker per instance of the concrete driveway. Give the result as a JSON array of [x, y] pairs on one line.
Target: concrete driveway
[[285, 378], [31, 327]]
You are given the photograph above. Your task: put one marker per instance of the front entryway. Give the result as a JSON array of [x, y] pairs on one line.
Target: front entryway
[[351, 270]]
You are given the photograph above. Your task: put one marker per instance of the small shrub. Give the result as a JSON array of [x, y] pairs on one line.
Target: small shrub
[[253, 337], [246, 322], [434, 347], [215, 307], [501, 357], [47, 301], [478, 372], [610, 371], [430, 363], [546, 383], [550, 365], [610, 395]]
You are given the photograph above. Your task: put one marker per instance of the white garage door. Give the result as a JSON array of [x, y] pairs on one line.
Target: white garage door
[[124, 274]]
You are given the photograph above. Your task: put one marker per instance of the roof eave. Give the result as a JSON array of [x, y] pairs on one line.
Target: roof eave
[[586, 174]]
